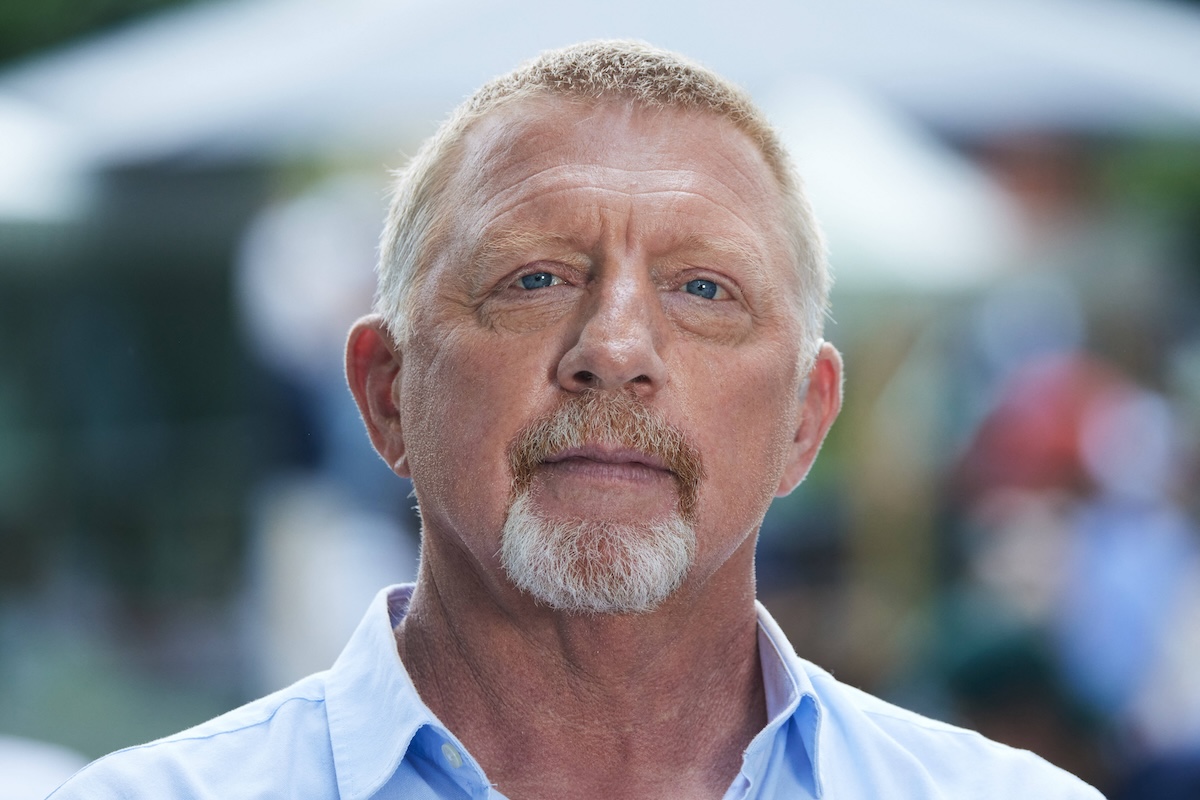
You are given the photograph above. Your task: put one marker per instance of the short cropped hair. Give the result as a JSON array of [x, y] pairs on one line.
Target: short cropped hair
[[597, 70]]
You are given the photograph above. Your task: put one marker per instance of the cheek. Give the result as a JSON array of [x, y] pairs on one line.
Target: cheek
[[467, 399], [446, 430], [747, 422]]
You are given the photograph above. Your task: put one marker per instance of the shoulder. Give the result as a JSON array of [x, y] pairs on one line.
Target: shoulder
[[282, 738], [949, 761]]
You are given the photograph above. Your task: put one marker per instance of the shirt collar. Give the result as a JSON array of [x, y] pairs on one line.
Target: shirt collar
[[374, 710], [791, 701]]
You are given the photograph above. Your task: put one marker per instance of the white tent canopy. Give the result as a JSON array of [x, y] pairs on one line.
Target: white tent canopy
[[273, 78], [278, 75], [40, 165], [899, 209]]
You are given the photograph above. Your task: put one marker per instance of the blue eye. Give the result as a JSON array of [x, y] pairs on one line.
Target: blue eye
[[702, 288], [539, 280]]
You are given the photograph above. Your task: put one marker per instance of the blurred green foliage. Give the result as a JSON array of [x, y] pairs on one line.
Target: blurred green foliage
[[27, 26], [1164, 174], [1162, 178]]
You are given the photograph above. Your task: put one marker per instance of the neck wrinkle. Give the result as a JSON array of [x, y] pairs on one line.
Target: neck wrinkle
[[572, 695]]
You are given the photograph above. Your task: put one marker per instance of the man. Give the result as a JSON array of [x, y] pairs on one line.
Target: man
[[597, 354]]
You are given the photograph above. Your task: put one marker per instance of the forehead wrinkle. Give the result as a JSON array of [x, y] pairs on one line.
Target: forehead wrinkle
[[750, 247], [604, 195], [577, 231], [504, 142], [540, 196], [617, 179]]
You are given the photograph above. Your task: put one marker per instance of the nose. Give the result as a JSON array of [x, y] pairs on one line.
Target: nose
[[617, 345]]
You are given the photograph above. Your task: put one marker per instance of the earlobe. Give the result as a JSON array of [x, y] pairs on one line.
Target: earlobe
[[373, 369], [819, 407]]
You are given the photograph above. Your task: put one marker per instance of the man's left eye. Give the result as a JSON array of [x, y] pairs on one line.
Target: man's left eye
[[702, 288], [539, 280]]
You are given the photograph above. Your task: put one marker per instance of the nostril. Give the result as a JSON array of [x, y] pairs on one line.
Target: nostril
[[583, 376], [641, 379]]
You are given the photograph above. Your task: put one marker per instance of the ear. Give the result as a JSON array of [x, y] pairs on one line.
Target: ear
[[373, 367], [819, 406]]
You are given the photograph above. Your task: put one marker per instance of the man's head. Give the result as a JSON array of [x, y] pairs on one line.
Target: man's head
[[591, 71], [597, 350]]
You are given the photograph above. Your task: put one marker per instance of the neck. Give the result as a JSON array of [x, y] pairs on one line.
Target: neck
[[592, 705]]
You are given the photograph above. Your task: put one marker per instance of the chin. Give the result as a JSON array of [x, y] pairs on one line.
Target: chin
[[595, 567]]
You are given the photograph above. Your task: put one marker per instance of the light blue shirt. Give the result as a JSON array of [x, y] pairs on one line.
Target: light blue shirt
[[360, 731]]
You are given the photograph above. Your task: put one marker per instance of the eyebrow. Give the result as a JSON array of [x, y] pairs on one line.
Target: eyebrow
[[724, 248], [520, 240]]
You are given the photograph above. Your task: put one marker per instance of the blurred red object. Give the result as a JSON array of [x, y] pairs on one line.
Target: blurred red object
[[1031, 440]]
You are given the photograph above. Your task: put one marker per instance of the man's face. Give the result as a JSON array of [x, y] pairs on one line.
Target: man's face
[[604, 250]]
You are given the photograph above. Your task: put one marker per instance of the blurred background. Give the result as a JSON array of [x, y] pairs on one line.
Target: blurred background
[[1002, 530]]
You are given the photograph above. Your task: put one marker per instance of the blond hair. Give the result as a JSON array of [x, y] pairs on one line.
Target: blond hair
[[597, 70]]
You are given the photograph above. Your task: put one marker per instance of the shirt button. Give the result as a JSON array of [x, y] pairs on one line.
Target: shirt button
[[453, 758]]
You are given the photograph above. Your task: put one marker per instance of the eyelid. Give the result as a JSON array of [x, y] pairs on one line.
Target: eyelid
[[724, 286], [554, 269]]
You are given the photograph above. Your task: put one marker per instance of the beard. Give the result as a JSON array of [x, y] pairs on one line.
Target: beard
[[597, 566], [589, 566]]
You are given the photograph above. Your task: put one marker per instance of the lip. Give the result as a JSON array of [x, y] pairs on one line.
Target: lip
[[609, 455]]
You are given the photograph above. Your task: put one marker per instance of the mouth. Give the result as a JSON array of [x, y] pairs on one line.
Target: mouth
[[596, 439], [617, 456], [599, 482]]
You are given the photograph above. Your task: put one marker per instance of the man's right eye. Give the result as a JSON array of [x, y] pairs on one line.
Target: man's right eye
[[539, 280]]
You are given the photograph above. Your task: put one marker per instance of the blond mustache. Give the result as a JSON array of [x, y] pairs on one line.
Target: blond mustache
[[615, 419]]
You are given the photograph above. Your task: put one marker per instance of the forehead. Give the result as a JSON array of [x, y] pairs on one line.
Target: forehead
[[528, 127], [546, 159]]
